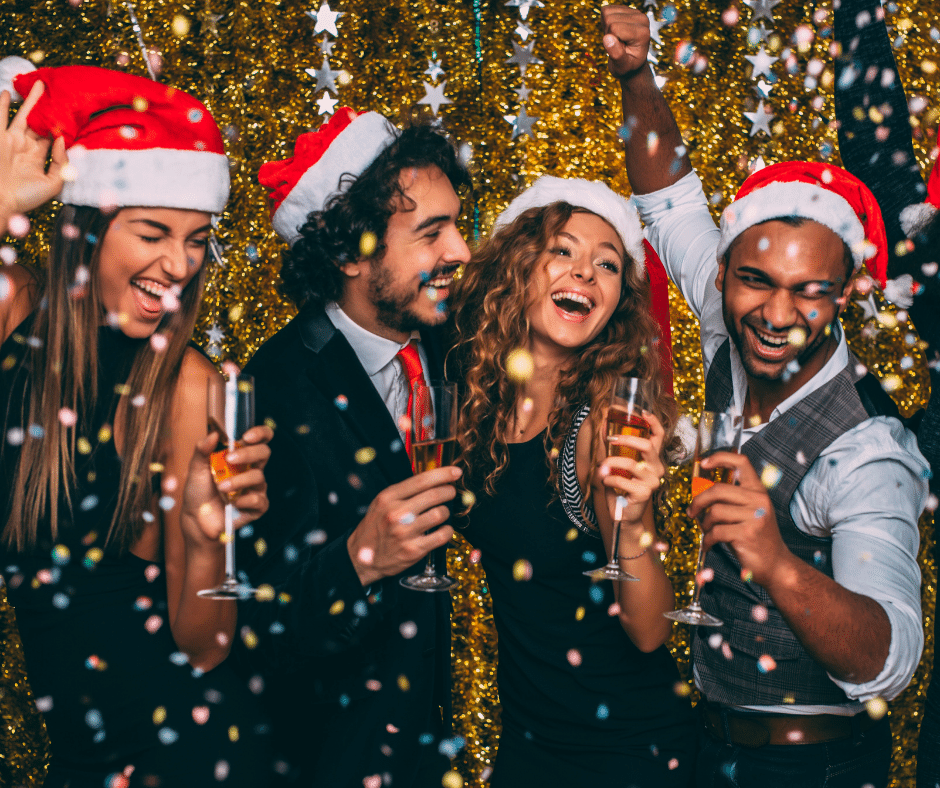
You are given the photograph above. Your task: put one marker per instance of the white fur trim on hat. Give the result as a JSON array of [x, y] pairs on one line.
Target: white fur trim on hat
[[10, 68], [165, 177], [595, 196], [353, 150], [795, 198]]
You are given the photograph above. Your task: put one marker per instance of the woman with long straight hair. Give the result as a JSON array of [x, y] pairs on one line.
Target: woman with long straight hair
[[551, 310], [112, 519]]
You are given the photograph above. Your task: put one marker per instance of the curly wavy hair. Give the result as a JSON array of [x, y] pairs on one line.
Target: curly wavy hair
[[311, 269], [490, 322]]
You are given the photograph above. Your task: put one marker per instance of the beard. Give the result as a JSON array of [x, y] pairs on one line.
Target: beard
[[395, 306]]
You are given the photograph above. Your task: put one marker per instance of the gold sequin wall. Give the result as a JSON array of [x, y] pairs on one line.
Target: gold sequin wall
[[524, 85]]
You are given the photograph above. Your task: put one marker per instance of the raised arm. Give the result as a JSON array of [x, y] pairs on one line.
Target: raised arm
[[652, 162], [25, 182]]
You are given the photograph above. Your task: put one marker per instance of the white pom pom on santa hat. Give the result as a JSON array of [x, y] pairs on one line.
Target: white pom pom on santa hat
[[915, 218], [10, 68]]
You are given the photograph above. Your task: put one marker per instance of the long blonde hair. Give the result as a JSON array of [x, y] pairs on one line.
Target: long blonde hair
[[63, 366], [490, 321]]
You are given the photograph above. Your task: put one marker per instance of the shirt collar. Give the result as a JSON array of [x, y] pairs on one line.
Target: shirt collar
[[374, 352], [836, 363]]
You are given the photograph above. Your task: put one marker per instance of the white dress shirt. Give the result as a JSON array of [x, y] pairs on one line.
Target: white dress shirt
[[377, 356], [866, 490]]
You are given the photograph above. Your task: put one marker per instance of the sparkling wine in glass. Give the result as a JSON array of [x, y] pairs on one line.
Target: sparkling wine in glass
[[433, 445], [629, 398], [716, 432], [230, 413]]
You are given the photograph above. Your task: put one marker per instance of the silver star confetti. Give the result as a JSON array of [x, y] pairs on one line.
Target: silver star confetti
[[525, 5], [763, 88], [655, 27], [325, 77], [326, 104], [216, 334], [761, 63], [521, 123], [434, 96], [523, 56], [325, 19], [523, 31], [760, 119], [326, 45], [434, 70], [523, 92], [762, 9]]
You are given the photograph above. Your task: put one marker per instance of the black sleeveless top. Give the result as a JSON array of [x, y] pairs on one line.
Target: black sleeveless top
[[113, 687], [569, 676]]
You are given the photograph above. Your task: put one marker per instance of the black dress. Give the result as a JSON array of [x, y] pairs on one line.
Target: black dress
[[579, 700], [116, 693]]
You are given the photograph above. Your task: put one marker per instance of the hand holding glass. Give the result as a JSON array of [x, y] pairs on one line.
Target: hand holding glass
[[629, 398], [433, 443], [230, 414], [716, 432]]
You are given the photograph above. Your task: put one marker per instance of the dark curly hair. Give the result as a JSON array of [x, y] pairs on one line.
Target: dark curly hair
[[310, 270]]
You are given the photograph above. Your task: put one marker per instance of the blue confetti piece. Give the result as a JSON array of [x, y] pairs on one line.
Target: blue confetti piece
[[88, 503], [669, 14], [36, 431], [252, 252], [99, 737], [61, 601], [396, 446], [344, 700], [589, 556], [277, 628], [426, 738], [91, 238], [167, 735], [450, 747], [341, 402], [361, 609], [178, 658], [290, 553], [760, 512], [93, 719], [425, 277], [602, 711], [597, 594]]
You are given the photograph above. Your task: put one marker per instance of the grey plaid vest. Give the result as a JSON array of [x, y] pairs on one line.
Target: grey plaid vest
[[791, 443]]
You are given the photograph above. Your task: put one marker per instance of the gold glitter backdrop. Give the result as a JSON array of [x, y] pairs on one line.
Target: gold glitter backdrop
[[248, 61]]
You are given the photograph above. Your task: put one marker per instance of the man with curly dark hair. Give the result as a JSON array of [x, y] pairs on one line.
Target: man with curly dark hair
[[355, 667]]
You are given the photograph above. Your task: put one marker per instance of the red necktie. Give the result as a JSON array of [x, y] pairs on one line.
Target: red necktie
[[411, 363]]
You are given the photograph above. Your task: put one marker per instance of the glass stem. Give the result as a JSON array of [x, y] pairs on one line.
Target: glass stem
[[229, 541], [618, 517], [698, 588]]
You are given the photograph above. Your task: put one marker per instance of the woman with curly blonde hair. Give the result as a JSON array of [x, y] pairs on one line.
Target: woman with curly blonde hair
[[551, 310]]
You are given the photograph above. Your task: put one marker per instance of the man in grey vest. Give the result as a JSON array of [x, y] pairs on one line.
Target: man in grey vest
[[813, 552]]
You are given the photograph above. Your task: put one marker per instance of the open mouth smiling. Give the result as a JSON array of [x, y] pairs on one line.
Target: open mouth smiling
[[769, 345], [572, 304]]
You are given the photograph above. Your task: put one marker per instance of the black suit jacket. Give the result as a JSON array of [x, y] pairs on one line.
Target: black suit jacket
[[354, 679]]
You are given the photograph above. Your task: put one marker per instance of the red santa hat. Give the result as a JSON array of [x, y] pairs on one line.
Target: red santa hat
[[619, 213], [811, 190], [916, 217], [130, 141], [346, 144]]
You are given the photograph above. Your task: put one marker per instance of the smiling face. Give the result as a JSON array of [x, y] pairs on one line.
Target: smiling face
[[147, 258], [782, 288], [406, 288], [576, 287]]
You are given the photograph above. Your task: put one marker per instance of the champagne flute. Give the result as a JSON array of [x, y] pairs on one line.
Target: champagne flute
[[716, 432], [433, 444], [230, 413], [629, 398]]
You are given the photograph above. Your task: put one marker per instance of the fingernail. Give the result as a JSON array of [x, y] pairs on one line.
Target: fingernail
[[457, 472], [225, 486]]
